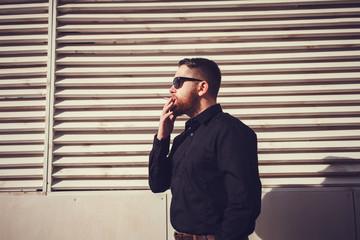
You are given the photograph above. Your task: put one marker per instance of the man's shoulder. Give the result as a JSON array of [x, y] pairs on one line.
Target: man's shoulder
[[225, 120]]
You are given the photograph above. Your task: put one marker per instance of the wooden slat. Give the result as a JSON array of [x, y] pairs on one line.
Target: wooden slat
[[208, 47], [21, 138], [228, 69], [27, 173], [305, 146], [23, 17], [89, 161], [310, 170], [22, 115], [20, 185], [143, 184], [20, 149], [215, 36], [330, 100], [201, 26], [22, 127], [289, 90], [24, 61], [24, 28], [291, 100], [264, 124], [29, 49], [23, 93], [227, 91], [264, 147], [309, 157], [21, 72], [221, 59], [234, 80], [311, 181], [23, 82], [193, 4], [25, 7], [278, 112], [333, 135], [203, 15], [101, 114], [102, 138], [21, 103], [131, 126], [21, 161], [102, 173], [100, 184], [268, 158], [24, 39], [293, 79], [110, 149], [127, 138], [73, 6]]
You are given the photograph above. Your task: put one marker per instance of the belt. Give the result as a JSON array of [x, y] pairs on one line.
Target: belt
[[184, 236]]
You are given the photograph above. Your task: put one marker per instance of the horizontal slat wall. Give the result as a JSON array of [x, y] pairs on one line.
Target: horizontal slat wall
[[23, 81], [290, 71]]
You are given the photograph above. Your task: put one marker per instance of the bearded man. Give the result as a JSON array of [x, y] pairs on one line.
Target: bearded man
[[212, 168]]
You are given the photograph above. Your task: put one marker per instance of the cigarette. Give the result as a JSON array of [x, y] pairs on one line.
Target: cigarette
[[166, 98]]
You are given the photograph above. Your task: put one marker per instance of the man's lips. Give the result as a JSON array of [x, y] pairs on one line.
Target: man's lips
[[173, 100]]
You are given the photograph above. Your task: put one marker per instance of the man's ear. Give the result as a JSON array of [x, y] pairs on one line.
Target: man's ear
[[203, 88]]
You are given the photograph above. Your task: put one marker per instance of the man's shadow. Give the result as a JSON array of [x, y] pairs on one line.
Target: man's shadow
[[324, 212]]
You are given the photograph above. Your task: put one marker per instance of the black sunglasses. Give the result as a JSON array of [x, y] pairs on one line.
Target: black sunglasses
[[178, 80]]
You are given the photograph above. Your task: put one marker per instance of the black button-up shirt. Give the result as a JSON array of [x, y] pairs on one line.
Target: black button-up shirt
[[212, 170]]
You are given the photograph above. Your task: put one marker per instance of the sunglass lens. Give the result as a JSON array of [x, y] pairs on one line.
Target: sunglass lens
[[176, 83]]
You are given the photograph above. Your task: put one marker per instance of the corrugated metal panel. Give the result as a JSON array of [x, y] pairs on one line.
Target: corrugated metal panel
[[291, 71], [23, 80]]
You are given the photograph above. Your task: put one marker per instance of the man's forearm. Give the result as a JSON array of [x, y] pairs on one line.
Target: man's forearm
[[159, 166]]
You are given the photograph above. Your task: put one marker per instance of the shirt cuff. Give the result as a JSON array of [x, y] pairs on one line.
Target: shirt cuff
[[165, 140], [161, 144]]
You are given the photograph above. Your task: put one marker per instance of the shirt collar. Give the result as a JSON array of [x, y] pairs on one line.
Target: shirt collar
[[204, 116]]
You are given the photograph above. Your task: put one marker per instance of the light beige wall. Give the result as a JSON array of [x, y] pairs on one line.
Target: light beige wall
[[357, 212], [306, 215], [286, 215], [90, 216]]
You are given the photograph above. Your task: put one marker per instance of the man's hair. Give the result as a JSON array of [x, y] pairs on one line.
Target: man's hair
[[208, 69]]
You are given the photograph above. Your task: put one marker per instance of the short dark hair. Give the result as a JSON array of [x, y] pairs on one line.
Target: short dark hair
[[208, 69]]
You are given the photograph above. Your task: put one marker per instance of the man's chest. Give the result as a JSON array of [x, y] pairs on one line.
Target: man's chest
[[196, 151]]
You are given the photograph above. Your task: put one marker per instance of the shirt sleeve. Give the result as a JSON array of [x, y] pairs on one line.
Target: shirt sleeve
[[159, 166], [237, 160]]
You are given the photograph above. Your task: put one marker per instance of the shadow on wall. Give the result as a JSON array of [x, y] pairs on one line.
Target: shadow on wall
[[308, 214]]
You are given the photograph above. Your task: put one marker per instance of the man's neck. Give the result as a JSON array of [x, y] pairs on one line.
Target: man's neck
[[202, 106]]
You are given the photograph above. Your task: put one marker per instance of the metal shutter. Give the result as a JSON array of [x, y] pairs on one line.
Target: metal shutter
[[23, 81], [291, 71]]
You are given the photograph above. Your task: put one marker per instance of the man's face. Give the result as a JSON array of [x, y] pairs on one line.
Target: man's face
[[185, 97]]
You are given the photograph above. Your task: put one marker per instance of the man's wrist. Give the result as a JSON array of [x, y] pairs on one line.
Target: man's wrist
[[161, 138]]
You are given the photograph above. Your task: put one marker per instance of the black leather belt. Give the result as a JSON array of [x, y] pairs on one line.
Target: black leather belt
[[185, 236]]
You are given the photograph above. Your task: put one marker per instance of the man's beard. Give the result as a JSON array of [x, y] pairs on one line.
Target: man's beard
[[185, 105]]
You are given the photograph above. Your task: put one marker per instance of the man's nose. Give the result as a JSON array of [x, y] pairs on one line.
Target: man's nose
[[172, 89]]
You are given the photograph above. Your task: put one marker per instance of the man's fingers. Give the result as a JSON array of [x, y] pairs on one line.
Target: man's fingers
[[172, 118], [167, 106], [168, 115]]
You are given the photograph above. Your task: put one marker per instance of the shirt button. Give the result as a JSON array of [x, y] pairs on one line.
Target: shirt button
[[191, 134]]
